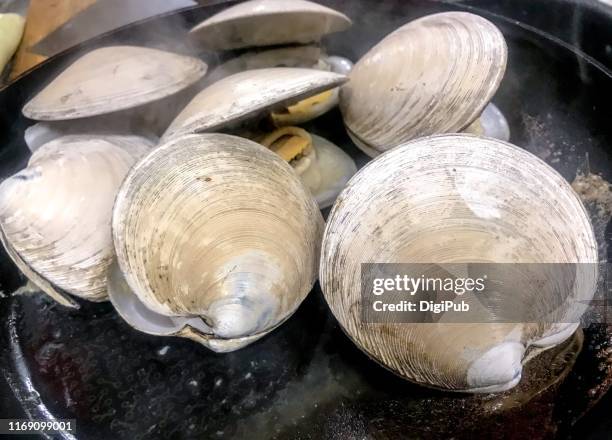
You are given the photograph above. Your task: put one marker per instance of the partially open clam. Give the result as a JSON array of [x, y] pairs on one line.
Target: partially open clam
[[257, 23], [311, 57], [112, 90], [113, 78], [55, 215], [217, 240], [460, 199], [433, 75], [276, 96], [287, 25]]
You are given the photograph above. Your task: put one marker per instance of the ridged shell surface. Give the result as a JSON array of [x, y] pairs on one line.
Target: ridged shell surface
[[267, 23], [55, 215], [456, 199], [218, 227], [247, 94], [113, 78], [433, 75]]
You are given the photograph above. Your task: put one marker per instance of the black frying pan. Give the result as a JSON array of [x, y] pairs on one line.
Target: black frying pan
[[306, 379]]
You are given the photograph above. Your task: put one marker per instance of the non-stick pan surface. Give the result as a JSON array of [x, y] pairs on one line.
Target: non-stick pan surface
[[306, 379]]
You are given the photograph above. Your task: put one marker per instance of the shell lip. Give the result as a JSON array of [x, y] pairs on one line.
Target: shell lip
[[32, 110], [45, 286], [139, 316], [198, 123], [479, 390], [507, 144]]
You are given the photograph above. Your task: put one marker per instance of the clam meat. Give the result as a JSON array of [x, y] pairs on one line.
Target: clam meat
[[296, 56]]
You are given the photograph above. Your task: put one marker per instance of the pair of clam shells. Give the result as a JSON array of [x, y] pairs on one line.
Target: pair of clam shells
[[113, 90]]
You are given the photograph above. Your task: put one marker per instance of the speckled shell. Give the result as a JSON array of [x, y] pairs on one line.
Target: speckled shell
[[433, 75], [111, 79], [450, 199], [267, 23], [247, 94], [55, 215], [217, 229]]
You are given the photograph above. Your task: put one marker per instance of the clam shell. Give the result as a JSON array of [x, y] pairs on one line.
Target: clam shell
[[433, 75], [300, 56], [111, 79], [215, 234], [55, 215], [247, 94], [268, 23], [449, 199]]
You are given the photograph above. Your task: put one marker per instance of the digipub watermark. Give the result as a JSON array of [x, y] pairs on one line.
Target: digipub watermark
[[483, 292]]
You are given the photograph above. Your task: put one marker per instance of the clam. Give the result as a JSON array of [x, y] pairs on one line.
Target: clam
[[258, 23], [458, 198], [55, 215], [433, 75], [111, 79], [272, 93], [217, 240], [295, 56], [249, 94]]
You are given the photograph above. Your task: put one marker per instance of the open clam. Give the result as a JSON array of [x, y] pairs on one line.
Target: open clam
[[111, 79], [460, 199], [55, 215], [269, 23], [279, 23], [311, 57], [217, 240], [433, 75], [249, 96]]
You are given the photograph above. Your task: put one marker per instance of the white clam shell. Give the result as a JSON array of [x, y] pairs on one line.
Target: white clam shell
[[298, 56], [267, 23], [111, 79], [494, 123], [449, 199], [217, 238], [246, 95], [433, 75], [55, 215], [44, 132]]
